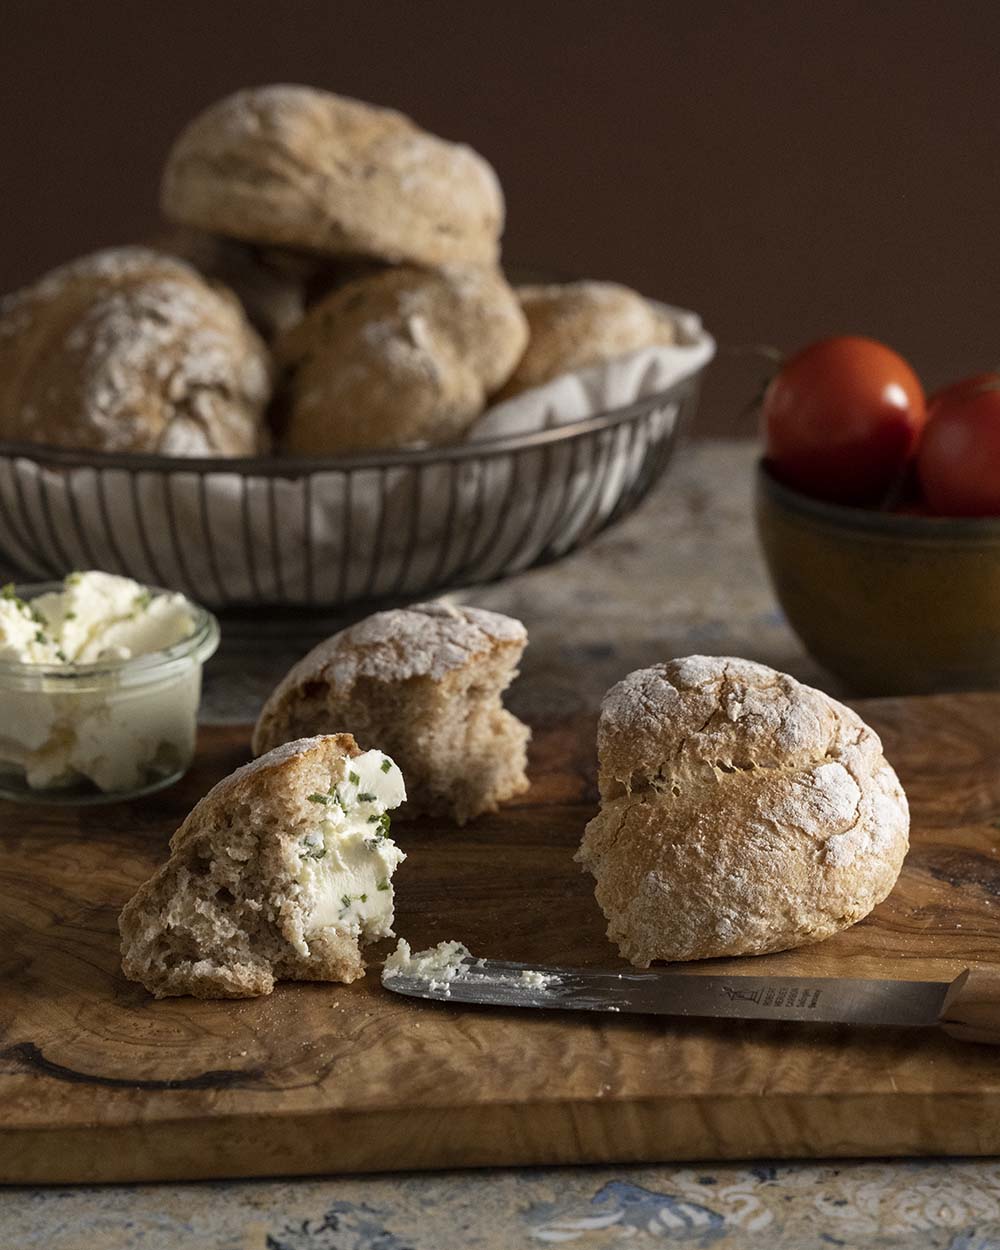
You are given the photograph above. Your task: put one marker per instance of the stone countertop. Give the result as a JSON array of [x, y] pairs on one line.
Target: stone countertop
[[682, 575]]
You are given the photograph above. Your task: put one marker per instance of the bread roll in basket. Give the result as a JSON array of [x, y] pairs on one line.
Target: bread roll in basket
[[538, 476]]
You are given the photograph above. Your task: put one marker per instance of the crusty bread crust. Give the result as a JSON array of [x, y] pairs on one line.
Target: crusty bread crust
[[131, 350], [398, 358], [423, 683], [580, 324], [741, 813], [293, 166], [222, 918]]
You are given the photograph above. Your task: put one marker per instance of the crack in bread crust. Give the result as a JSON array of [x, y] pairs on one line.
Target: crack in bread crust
[[741, 813]]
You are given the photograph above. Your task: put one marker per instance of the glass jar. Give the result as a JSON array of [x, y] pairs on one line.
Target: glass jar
[[106, 731]]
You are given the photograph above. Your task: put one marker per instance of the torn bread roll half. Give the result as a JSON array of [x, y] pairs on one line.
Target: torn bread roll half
[[283, 871], [426, 683], [741, 813]]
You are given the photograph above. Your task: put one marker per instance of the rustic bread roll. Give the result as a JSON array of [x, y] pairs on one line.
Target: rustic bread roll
[[281, 872], [399, 358], [741, 813], [426, 683], [296, 167], [273, 294], [580, 324], [131, 350]]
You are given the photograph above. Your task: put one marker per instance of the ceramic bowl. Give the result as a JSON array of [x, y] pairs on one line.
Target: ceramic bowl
[[891, 603]]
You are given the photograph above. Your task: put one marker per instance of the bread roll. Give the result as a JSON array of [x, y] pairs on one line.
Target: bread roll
[[580, 324], [281, 872], [292, 166], [426, 683], [273, 295], [400, 358], [131, 350], [741, 813]]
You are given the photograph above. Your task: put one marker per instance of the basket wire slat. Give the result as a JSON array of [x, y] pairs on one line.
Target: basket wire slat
[[156, 571], [511, 466], [46, 509], [307, 531], [374, 566], [110, 540], [409, 551], [221, 596], [79, 529], [248, 544], [437, 577], [272, 514], [32, 540], [508, 561], [478, 473], [334, 531], [345, 546]]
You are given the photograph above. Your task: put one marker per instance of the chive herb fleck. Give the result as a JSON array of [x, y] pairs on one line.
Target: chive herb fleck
[[346, 900], [367, 798], [363, 898], [384, 883], [386, 765], [353, 778], [319, 798]]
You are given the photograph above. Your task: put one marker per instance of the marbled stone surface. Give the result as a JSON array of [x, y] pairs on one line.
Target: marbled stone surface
[[682, 575]]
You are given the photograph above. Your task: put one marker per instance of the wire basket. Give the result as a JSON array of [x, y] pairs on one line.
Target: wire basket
[[327, 532]]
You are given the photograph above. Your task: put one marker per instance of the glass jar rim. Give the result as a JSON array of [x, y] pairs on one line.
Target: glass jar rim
[[199, 645]]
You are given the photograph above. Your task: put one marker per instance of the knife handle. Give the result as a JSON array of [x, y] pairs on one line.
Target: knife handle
[[971, 1010]]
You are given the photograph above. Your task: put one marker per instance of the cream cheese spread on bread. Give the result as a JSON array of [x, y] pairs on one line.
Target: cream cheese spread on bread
[[346, 862]]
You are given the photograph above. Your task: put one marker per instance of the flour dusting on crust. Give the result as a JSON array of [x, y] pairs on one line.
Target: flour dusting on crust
[[741, 812]]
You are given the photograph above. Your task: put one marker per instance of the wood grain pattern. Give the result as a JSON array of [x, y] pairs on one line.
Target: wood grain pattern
[[98, 1082]]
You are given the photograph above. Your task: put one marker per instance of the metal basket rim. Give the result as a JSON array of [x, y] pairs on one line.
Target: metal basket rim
[[302, 466]]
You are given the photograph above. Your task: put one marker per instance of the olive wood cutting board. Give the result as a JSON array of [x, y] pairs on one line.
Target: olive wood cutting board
[[98, 1082]]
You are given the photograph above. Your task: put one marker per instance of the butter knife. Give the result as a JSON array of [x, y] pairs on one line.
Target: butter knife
[[967, 1007]]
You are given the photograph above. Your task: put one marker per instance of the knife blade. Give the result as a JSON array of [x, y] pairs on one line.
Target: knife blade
[[831, 1000]]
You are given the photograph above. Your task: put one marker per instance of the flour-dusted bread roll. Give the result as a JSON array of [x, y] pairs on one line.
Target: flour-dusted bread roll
[[425, 683], [131, 350], [398, 358], [741, 813], [583, 323], [281, 872], [293, 166]]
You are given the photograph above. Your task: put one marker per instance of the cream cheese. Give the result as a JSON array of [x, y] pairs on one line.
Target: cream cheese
[[438, 966], [95, 616], [118, 727], [346, 861]]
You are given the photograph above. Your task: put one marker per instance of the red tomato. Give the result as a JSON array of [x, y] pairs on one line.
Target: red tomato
[[959, 459], [842, 418]]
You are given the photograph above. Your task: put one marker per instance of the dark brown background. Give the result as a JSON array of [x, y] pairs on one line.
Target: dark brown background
[[788, 169]]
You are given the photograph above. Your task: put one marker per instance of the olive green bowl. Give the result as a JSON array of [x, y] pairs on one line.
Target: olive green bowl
[[890, 603]]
